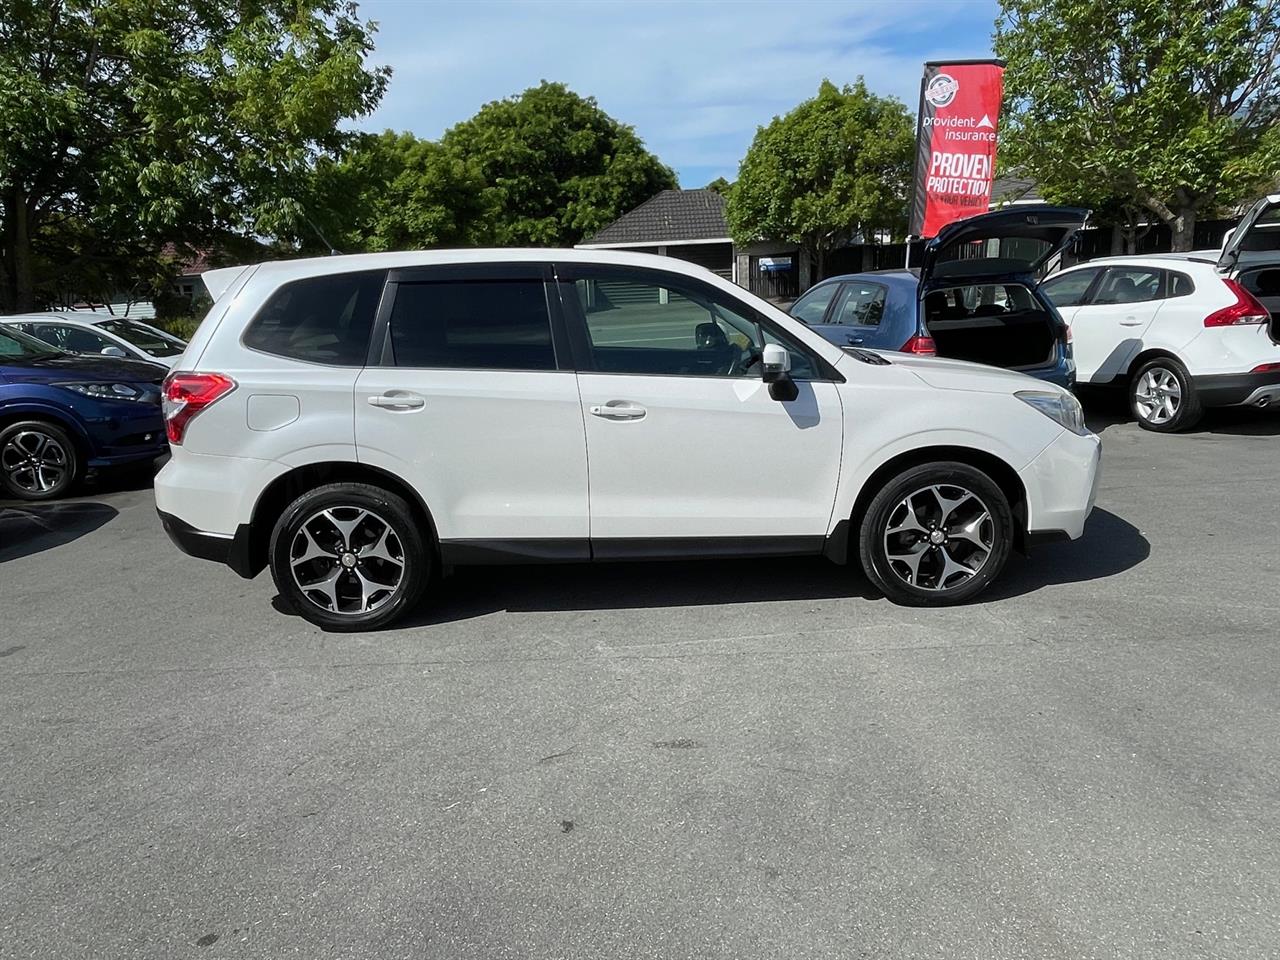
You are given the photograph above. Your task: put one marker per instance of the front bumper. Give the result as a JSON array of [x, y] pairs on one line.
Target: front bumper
[[1238, 389], [232, 550], [1062, 486]]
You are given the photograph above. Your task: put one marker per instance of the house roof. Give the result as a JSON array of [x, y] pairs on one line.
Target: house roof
[[672, 216], [1015, 189]]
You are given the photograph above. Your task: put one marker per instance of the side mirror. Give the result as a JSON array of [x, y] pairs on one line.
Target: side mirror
[[113, 352], [775, 362]]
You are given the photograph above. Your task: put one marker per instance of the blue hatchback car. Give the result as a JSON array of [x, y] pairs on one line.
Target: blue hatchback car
[[975, 297], [62, 414]]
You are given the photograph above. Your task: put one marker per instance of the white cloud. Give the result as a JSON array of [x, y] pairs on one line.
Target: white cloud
[[694, 78]]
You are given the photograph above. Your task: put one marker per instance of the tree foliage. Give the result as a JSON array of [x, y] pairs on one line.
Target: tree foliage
[[1167, 107], [555, 168], [125, 124], [835, 168], [719, 185], [392, 191]]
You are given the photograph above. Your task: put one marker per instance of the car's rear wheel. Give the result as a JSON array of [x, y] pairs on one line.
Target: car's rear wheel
[[38, 460], [1163, 397], [350, 556], [936, 534]]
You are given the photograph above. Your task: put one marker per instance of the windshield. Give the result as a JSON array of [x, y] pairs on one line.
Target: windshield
[[16, 348], [144, 338]]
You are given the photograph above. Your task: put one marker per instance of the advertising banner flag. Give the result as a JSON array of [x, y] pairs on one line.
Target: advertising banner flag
[[955, 142]]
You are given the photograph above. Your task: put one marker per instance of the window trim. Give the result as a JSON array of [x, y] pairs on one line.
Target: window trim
[[382, 350], [567, 273]]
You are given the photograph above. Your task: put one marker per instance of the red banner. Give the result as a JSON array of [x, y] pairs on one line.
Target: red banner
[[955, 142]]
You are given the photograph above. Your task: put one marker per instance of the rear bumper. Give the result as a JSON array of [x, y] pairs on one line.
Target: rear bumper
[[231, 550], [1062, 485], [1237, 389]]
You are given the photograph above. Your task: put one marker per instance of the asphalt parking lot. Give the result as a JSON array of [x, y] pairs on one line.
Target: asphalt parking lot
[[696, 760]]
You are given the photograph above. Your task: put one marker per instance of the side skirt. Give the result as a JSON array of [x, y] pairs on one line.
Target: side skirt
[[488, 552]]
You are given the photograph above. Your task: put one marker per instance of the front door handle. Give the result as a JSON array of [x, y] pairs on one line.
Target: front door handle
[[398, 400], [1130, 322], [618, 410], [854, 340]]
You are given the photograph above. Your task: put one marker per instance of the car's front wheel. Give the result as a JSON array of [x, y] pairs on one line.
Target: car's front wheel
[[1163, 397], [38, 461], [936, 534], [350, 556]]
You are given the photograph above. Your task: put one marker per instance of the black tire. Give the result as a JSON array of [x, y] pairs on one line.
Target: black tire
[[932, 576], [346, 548], [38, 461], [1144, 403]]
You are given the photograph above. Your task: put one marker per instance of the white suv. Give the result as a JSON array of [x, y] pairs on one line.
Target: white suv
[[1181, 332], [361, 423]]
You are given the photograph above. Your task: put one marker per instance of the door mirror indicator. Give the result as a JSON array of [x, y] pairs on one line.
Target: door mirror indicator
[[775, 361]]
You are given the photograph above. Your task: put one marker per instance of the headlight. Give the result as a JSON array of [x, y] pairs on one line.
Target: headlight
[[1061, 407], [104, 391]]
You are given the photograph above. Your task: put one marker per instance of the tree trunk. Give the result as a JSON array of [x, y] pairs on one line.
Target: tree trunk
[[1117, 240], [17, 293], [1183, 226]]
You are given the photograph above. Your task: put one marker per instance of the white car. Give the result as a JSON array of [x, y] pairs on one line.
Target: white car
[[358, 423], [95, 333], [1181, 332]]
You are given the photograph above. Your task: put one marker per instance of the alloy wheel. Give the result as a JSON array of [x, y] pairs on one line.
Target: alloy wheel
[[347, 560], [35, 462], [1158, 395], [939, 537]]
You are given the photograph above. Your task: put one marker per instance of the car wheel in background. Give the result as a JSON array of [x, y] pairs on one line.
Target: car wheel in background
[[349, 556], [936, 534], [38, 461], [1163, 398]]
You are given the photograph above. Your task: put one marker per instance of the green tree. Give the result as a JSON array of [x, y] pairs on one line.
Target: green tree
[[1172, 105], [125, 124], [555, 167], [392, 191], [719, 185], [835, 168]]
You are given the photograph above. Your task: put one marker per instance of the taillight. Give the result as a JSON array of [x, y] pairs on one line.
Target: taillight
[[1245, 310], [1266, 368], [920, 346], [186, 394], [1070, 336]]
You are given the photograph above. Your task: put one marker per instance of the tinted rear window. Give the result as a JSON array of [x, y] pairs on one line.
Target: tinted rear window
[[320, 319], [481, 324]]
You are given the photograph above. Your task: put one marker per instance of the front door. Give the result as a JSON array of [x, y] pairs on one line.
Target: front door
[[473, 401], [684, 441]]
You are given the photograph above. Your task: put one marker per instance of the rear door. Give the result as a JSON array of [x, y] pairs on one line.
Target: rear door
[[1108, 328], [855, 315], [684, 441], [471, 397]]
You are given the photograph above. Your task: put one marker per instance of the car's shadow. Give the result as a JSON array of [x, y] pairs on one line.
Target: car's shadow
[[1108, 408], [1110, 546], [27, 528]]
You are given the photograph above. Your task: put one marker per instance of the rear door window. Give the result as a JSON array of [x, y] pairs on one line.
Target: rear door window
[[1130, 285], [859, 305], [320, 319], [473, 325]]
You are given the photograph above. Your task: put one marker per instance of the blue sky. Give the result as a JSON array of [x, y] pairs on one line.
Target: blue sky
[[694, 77]]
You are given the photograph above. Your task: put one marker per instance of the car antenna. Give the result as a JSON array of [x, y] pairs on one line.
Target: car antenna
[[333, 252]]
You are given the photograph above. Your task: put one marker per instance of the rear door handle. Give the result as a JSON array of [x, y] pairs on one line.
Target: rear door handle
[[398, 400], [854, 340], [1130, 322], [618, 410]]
